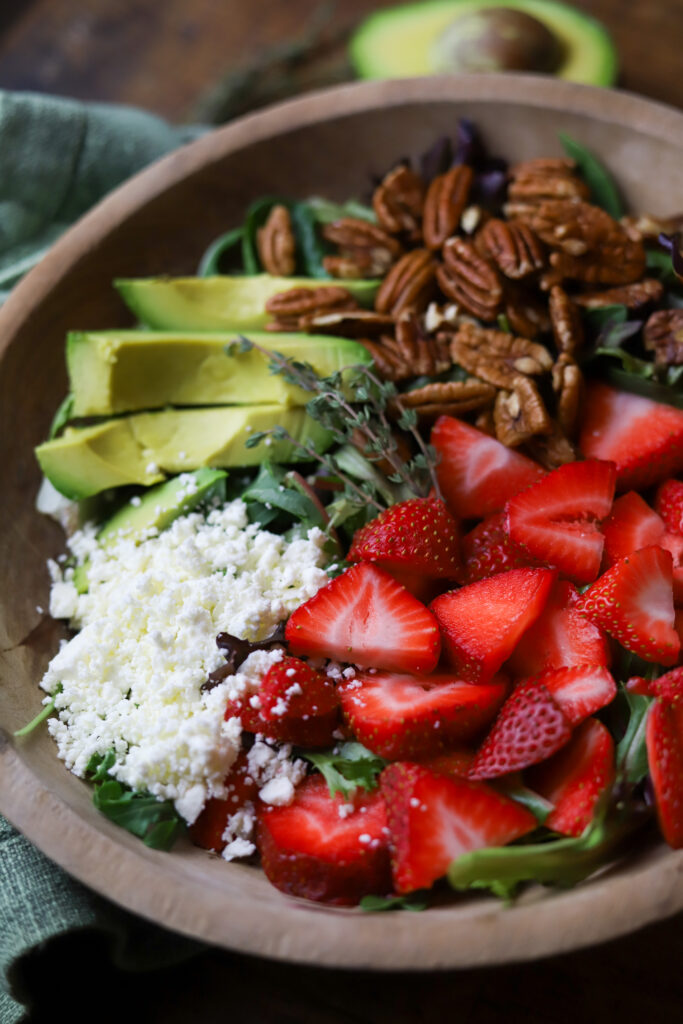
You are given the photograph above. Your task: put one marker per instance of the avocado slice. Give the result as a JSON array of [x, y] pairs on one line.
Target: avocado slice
[[144, 447], [443, 35], [218, 303], [123, 371]]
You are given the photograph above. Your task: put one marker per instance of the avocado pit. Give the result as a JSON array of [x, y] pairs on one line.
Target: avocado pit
[[497, 39]]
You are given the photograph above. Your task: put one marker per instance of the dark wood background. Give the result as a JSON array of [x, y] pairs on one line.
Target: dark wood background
[[169, 56]]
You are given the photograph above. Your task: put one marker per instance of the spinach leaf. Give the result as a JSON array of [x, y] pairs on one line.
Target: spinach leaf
[[62, 416], [274, 492], [310, 247], [347, 768], [604, 191], [217, 258], [631, 755], [256, 217]]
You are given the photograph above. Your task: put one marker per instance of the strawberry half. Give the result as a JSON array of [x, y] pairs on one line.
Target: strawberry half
[[406, 716], [644, 438], [476, 473], [633, 602], [365, 617], [574, 779], [579, 691], [488, 550], [554, 520], [482, 622], [207, 831], [668, 686], [434, 819], [298, 704], [319, 849], [530, 727], [633, 525], [669, 504], [664, 739], [560, 637], [415, 540]]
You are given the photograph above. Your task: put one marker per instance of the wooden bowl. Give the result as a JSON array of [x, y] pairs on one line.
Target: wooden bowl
[[158, 223]]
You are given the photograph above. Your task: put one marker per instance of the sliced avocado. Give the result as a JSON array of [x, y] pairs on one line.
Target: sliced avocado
[[122, 371], [157, 507], [218, 303], [144, 447], [454, 35]]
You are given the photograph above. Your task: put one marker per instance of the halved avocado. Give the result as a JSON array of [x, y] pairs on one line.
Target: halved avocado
[[481, 35]]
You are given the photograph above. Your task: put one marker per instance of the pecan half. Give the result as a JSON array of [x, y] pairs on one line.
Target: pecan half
[[551, 450], [409, 354], [663, 335], [545, 178], [526, 312], [438, 317], [520, 414], [568, 387], [452, 398], [567, 324], [350, 323], [470, 280], [444, 205], [398, 201], [364, 247], [496, 356], [409, 285], [290, 306], [633, 296], [276, 244], [513, 246]]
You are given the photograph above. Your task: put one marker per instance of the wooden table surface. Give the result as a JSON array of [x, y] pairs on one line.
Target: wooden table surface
[[167, 55]]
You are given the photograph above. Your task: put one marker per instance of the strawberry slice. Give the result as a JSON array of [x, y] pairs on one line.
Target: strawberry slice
[[476, 473], [207, 831], [554, 520], [574, 779], [669, 504], [487, 550], [482, 622], [644, 438], [455, 762], [668, 686], [529, 728], [664, 740], [325, 848], [633, 602], [633, 525], [560, 637], [418, 536], [365, 617], [298, 704], [406, 716], [434, 819], [579, 691]]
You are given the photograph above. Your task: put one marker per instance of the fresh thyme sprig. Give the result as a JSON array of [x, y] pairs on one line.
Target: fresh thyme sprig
[[352, 404]]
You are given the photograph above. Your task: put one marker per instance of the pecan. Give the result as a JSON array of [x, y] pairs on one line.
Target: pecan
[[409, 285], [369, 249], [568, 387], [444, 205], [452, 398], [496, 356], [351, 323], [520, 414], [470, 280], [663, 335], [484, 422], [546, 178], [566, 321], [551, 450], [526, 312], [633, 296], [588, 244], [409, 354], [398, 201], [290, 306], [513, 246], [438, 317], [649, 226], [276, 244], [388, 361]]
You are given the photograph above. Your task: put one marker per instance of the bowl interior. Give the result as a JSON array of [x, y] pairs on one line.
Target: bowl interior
[[159, 223]]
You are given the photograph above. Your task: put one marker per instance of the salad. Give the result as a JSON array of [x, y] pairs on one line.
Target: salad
[[374, 553]]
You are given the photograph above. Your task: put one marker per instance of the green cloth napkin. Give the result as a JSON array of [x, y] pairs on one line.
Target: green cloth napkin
[[57, 158]]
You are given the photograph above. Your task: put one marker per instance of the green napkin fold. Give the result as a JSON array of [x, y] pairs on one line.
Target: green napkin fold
[[58, 157]]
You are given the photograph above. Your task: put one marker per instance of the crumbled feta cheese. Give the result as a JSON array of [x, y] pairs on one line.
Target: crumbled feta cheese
[[278, 792]]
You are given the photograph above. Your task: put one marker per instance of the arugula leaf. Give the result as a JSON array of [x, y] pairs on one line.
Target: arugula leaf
[[310, 247], [631, 754], [62, 416], [630, 364], [325, 211], [98, 766], [273, 492], [614, 334], [347, 768], [604, 191], [534, 802], [41, 717], [372, 904], [640, 385], [660, 263], [215, 259], [602, 316]]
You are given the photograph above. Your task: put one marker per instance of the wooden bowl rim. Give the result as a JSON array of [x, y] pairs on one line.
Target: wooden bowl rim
[[471, 933]]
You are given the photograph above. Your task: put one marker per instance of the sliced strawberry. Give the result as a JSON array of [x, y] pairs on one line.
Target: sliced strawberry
[[482, 622], [633, 602], [669, 504], [554, 520], [406, 716], [560, 637], [574, 779], [298, 704], [633, 525], [487, 550], [207, 831], [455, 762], [664, 739], [668, 686], [644, 438], [530, 727], [580, 691], [365, 617], [324, 848], [419, 536], [434, 819], [476, 473]]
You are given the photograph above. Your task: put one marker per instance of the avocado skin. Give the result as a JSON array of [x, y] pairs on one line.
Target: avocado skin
[[398, 41], [219, 303], [119, 371], [145, 447]]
